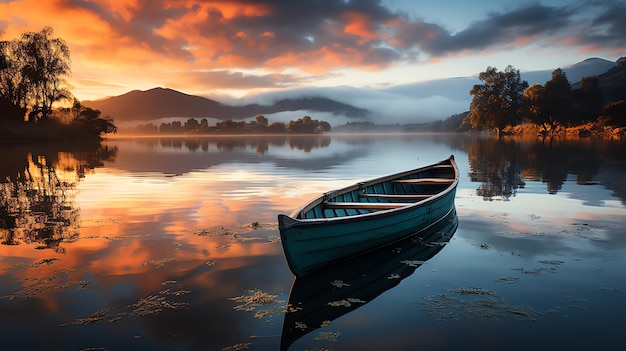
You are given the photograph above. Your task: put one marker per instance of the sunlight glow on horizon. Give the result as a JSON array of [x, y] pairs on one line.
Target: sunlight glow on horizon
[[238, 49]]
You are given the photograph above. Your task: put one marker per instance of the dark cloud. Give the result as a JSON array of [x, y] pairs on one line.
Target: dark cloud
[[333, 34], [145, 17], [502, 29], [609, 28]]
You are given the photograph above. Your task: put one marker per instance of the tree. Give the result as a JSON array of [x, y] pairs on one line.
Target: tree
[[614, 113], [230, 126], [324, 126], [535, 103], [261, 121], [90, 120], [558, 100], [588, 100], [192, 126], [277, 127], [306, 125], [46, 65], [33, 72], [13, 89], [498, 102]]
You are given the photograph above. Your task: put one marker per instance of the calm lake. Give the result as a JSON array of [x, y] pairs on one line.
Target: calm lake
[[172, 244]]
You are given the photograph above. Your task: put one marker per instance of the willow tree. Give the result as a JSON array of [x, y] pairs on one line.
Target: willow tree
[[498, 102], [46, 67], [34, 71], [13, 86]]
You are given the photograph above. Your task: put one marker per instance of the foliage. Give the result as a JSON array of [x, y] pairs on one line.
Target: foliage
[[261, 121], [259, 125], [307, 125], [615, 113], [588, 101], [535, 98], [33, 77], [84, 120], [498, 105], [558, 98], [34, 71], [498, 102]]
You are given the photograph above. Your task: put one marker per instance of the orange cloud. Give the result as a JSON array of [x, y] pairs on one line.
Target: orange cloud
[[232, 9], [360, 25]]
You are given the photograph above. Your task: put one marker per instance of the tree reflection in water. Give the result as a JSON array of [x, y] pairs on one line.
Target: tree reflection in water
[[502, 165], [495, 163], [261, 143], [37, 204]]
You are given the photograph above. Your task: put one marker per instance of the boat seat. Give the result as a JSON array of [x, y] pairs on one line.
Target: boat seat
[[425, 181], [365, 205], [397, 196]]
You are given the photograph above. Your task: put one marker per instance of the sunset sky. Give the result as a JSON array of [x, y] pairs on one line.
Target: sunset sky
[[234, 48]]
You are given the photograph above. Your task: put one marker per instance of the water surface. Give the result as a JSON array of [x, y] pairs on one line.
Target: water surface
[[172, 243]]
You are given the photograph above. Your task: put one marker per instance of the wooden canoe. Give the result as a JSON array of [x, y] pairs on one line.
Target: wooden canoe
[[357, 219], [317, 299]]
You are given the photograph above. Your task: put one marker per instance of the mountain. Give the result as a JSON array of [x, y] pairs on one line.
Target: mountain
[[612, 82], [158, 103], [587, 68], [419, 102]]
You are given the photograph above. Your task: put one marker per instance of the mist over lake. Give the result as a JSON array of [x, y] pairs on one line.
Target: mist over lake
[[172, 243]]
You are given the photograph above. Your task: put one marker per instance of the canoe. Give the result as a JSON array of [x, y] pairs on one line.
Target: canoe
[[344, 223], [315, 300]]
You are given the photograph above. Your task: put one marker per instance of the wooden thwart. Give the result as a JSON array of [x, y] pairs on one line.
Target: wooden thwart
[[365, 205], [425, 181], [397, 196]]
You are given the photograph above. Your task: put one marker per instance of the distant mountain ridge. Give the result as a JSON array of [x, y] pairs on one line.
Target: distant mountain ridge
[[159, 102], [586, 68], [612, 82], [400, 104]]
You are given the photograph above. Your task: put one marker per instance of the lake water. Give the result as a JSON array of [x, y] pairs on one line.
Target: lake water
[[172, 244]]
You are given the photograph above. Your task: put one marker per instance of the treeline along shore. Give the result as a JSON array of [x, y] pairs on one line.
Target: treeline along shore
[[260, 125]]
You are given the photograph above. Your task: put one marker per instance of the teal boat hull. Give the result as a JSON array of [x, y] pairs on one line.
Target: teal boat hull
[[355, 220]]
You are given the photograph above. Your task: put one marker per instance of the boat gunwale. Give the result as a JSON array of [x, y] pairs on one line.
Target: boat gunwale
[[292, 220]]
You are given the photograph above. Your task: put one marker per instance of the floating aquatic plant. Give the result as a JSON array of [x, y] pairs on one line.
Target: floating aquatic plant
[[255, 299], [328, 336], [238, 347], [339, 283], [150, 305], [412, 263], [345, 303], [475, 302]]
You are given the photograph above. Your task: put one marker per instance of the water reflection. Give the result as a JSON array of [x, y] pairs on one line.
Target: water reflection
[[316, 300], [261, 143], [503, 165], [140, 222], [37, 192], [497, 165]]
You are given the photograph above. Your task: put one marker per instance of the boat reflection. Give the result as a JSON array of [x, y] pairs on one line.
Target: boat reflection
[[321, 297]]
